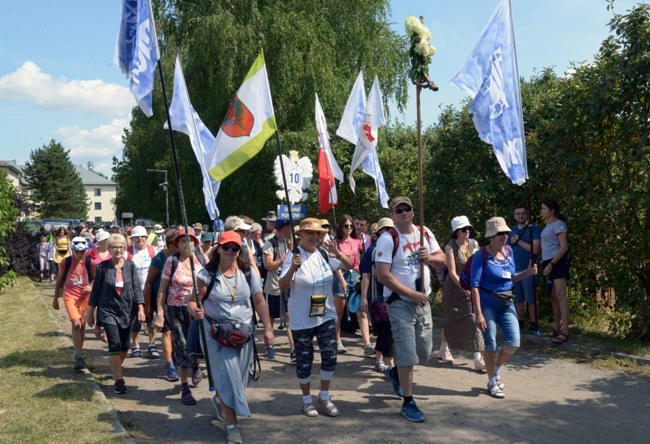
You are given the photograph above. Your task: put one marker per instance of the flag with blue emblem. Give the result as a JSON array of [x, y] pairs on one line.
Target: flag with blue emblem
[[136, 51], [491, 77], [185, 119]]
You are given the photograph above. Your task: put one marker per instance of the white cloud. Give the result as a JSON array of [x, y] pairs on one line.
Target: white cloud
[[98, 145], [94, 96]]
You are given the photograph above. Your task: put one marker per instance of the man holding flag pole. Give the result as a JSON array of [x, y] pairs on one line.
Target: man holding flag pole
[[491, 77]]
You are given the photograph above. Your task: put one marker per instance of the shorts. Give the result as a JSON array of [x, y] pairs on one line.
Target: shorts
[[412, 329], [76, 308], [525, 290], [136, 327], [560, 269], [351, 277], [118, 339], [274, 302]]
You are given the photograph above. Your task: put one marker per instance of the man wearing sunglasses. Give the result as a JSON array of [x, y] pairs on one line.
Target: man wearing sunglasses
[[398, 269]]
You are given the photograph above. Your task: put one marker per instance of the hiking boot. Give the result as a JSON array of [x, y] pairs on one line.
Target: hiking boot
[[79, 363], [172, 374], [233, 434], [340, 348], [411, 412], [119, 388], [270, 352], [388, 372]]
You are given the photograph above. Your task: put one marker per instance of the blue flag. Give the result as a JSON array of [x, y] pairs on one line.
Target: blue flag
[[491, 77], [136, 51]]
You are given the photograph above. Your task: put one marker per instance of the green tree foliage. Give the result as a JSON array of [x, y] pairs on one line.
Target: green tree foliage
[[309, 46], [57, 188], [8, 213], [588, 147]]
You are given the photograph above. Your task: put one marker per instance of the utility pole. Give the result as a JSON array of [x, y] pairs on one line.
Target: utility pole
[[165, 186]]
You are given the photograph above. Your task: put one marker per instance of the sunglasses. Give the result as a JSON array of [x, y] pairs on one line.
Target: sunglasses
[[465, 229], [348, 226], [501, 233], [231, 247], [401, 210]]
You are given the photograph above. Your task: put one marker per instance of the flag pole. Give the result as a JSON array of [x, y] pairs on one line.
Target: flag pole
[[331, 184], [181, 200], [286, 191], [533, 259]]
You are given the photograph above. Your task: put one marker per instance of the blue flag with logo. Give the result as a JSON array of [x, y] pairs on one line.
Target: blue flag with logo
[[491, 77], [136, 51]]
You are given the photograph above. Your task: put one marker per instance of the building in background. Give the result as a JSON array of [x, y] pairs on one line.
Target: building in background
[[101, 194]]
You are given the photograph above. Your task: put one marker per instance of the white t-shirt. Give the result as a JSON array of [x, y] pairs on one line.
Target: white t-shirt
[[314, 277], [142, 260], [271, 283], [405, 265]]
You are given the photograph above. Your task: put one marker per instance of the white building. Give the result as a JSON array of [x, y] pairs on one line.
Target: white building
[[101, 193]]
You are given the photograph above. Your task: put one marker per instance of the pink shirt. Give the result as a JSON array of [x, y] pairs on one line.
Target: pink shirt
[[76, 280], [351, 249], [180, 286]]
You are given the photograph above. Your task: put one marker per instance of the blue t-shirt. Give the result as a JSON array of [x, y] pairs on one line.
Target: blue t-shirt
[[367, 265], [159, 262], [522, 257], [491, 278]]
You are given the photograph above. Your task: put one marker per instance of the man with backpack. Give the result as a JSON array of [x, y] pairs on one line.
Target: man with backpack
[[273, 253], [398, 255], [76, 273], [141, 253]]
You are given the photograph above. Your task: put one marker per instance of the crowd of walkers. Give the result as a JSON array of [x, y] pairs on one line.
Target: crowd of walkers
[[203, 294]]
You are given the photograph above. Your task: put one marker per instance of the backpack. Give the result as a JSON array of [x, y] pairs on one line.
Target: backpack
[[68, 264], [150, 250], [261, 265], [466, 275]]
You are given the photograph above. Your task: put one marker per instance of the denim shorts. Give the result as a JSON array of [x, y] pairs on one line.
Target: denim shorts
[[525, 290], [351, 278], [506, 317]]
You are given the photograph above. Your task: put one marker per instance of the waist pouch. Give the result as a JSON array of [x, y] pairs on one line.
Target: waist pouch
[[231, 334], [504, 298]]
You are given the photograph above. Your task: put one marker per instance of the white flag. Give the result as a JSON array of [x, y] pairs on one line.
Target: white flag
[[353, 113], [185, 119], [373, 118]]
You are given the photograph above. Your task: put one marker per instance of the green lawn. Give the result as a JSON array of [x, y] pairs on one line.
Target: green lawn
[[42, 399]]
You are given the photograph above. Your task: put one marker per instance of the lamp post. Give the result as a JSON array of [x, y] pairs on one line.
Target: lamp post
[[165, 186]]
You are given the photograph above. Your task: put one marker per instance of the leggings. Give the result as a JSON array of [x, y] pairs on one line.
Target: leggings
[[118, 338], [304, 347]]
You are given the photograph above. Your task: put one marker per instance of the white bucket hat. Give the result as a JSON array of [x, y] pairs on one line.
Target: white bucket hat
[[459, 222], [139, 231]]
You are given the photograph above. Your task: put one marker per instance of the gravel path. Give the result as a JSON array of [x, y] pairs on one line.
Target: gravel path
[[547, 400]]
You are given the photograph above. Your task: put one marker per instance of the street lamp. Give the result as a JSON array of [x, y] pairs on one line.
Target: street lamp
[[165, 186]]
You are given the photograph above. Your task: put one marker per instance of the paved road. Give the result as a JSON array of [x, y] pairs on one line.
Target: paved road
[[548, 400]]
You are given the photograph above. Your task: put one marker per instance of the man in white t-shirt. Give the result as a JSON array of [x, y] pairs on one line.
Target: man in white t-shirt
[[141, 254], [398, 255]]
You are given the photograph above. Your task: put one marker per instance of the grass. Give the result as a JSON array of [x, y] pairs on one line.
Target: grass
[[42, 399]]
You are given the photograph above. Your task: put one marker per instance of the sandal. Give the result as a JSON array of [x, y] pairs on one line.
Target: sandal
[[497, 378], [309, 410], [187, 398], [329, 407], [553, 334], [561, 338], [496, 392]]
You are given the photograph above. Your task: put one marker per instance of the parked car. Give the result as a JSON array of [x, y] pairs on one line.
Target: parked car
[[54, 224]]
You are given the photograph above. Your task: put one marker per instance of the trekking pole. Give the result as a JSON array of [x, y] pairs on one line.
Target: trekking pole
[[181, 201], [533, 259]]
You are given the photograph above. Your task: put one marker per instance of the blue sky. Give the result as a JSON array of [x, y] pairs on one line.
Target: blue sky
[[58, 79]]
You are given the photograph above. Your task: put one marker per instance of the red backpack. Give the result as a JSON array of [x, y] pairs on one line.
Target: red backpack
[[150, 249]]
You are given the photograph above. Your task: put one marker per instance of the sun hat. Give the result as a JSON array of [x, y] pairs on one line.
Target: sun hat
[[79, 244], [241, 225], [399, 200], [325, 223], [181, 233], [206, 237], [198, 226], [312, 224], [270, 216], [102, 235], [230, 237], [385, 222], [138, 231], [86, 235], [459, 222], [256, 227], [495, 225], [158, 229]]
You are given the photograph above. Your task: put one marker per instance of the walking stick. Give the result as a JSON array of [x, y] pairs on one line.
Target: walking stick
[[533, 259]]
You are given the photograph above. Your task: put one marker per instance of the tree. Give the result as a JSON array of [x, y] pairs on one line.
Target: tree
[[57, 188], [309, 46], [8, 213]]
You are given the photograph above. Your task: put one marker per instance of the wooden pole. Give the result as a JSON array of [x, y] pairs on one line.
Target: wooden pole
[[420, 184]]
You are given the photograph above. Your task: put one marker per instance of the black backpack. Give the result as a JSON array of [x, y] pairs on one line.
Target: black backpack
[[68, 264]]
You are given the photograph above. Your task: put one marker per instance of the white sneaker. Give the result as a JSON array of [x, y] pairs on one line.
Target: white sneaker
[[340, 348]]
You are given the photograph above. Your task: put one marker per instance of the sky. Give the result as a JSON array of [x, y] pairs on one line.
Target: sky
[[58, 79]]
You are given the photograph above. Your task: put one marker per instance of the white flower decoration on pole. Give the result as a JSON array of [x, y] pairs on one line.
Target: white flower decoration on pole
[[420, 52]]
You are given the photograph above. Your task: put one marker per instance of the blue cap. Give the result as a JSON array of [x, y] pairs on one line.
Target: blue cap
[[280, 224]]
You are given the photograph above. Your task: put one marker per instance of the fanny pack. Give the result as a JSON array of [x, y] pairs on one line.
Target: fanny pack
[[504, 298], [231, 334]]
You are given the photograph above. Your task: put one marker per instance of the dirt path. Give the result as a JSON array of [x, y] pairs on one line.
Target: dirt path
[[548, 400]]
